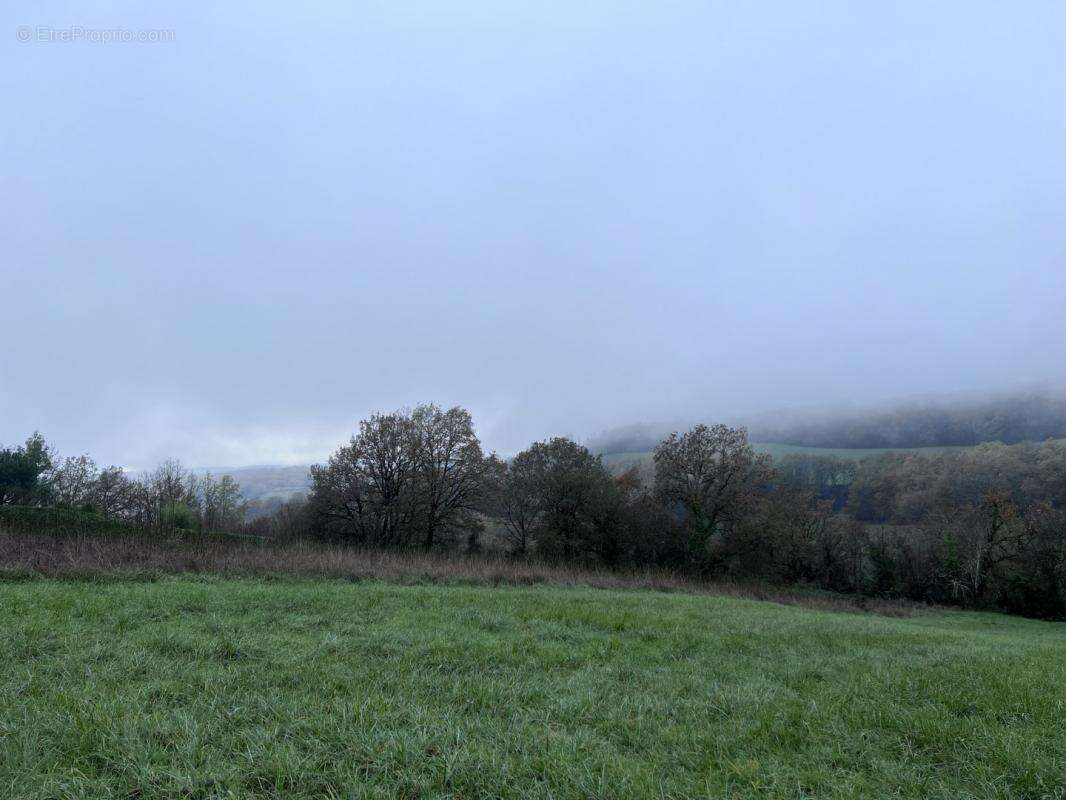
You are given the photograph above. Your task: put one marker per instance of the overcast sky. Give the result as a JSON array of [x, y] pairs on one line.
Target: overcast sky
[[231, 246]]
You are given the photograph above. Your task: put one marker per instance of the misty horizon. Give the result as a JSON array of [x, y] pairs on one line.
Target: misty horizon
[[761, 426], [230, 244]]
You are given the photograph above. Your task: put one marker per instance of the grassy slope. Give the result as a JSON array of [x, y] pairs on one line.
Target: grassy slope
[[186, 688], [778, 450]]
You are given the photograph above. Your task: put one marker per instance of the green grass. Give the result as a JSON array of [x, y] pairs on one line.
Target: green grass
[[198, 688]]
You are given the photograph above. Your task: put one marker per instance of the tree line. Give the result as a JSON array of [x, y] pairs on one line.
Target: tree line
[[982, 527], [170, 497]]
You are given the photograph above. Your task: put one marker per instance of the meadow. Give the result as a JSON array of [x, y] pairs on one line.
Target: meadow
[[210, 687]]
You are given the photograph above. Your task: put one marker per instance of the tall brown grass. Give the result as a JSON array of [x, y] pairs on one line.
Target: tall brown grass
[[25, 556]]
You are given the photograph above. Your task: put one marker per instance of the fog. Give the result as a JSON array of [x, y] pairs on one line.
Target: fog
[[231, 245]]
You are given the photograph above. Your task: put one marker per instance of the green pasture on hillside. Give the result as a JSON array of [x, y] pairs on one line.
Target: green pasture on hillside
[[208, 688]]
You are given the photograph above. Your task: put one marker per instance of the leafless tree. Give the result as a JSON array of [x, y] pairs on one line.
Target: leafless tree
[[713, 473], [73, 480], [449, 470], [365, 491], [518, 504], [113, 493], [998, 533], [220, 503]]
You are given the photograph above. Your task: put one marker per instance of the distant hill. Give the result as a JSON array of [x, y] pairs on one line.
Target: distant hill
[[1008, 419], [1012, 419], [265, 482]]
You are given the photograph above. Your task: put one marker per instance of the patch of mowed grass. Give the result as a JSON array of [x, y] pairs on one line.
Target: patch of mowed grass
[[205, 688]]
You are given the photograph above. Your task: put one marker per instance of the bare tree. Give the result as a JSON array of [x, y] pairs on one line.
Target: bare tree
[[518, 504], [714, 474], [220, 502], [407, 478], [449, 472], [365, 491], [998, 534], [113, 493], [73, 480], [172, 483]]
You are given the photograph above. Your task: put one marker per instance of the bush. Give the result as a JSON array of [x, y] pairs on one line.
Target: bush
[[26, 519], [178, 516]]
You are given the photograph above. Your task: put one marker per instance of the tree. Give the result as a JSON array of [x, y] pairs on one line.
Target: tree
[[175, 515], [166, 497], [894, 487], [570, 500], [407, 478], [364, 492], [1036, 584], [113, 494], [172, 483], [73, 481], [288, 521], [517, 502], [794, 536], [999, 534], [221, 505], [648, 534], [827, 477], [24, 472], [449, 470], [713, 474]]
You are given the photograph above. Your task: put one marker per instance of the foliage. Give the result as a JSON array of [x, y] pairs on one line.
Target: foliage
[[176, 515], [24, 471], [169, 498], [63, 521], [573, 498]]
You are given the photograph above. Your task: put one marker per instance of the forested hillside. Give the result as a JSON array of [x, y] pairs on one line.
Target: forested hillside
[[1009, 419]]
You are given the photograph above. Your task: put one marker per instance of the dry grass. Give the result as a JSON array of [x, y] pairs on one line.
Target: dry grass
[[25, 556]]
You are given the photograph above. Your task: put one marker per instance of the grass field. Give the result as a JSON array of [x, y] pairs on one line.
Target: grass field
[[204, 687]]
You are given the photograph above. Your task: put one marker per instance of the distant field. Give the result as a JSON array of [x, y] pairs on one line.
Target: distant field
[[778, 450], [205, 688], [622, 461]]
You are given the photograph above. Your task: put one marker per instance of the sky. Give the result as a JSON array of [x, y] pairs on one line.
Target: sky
[[232, 241]]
